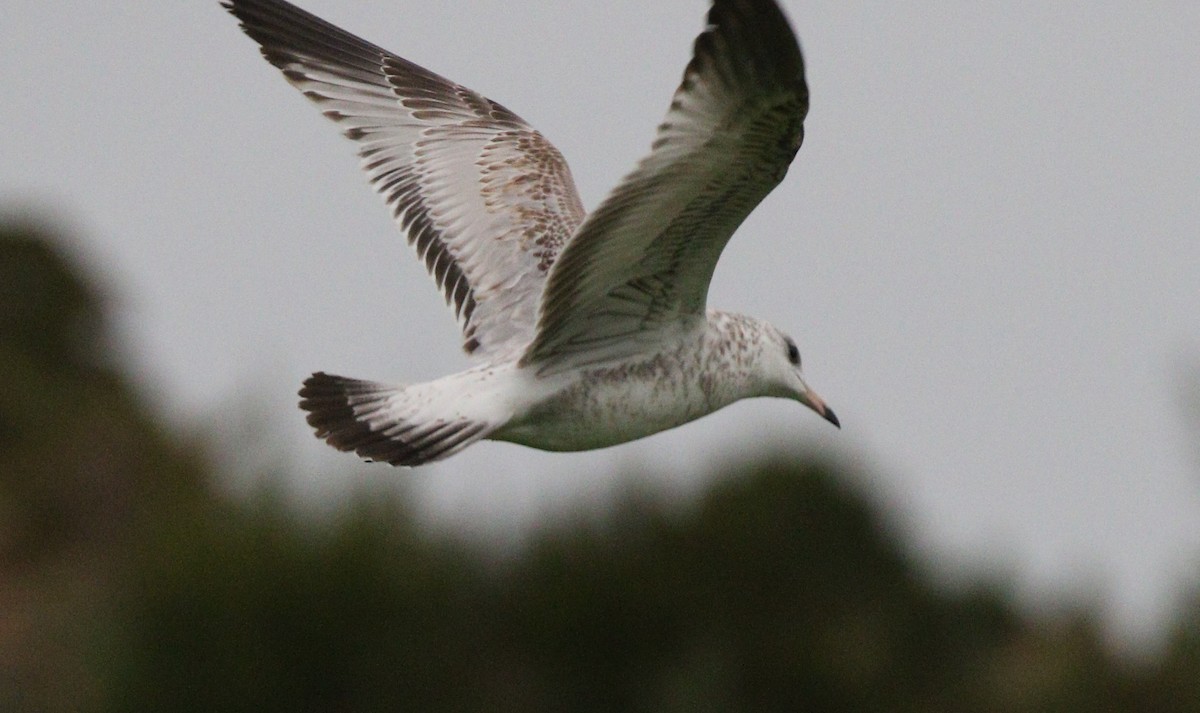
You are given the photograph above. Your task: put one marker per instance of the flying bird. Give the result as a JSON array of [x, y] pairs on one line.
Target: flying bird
[[586, 329]]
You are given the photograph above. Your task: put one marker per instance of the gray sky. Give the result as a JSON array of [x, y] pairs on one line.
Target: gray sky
[[987, 249]]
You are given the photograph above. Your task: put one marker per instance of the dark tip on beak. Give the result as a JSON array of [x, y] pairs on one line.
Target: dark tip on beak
[[831, 417]]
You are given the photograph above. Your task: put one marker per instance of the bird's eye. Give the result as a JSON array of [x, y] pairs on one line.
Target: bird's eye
[[793, 353]]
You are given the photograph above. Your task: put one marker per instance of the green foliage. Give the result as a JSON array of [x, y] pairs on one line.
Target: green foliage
[[130, 583], [251, 608]]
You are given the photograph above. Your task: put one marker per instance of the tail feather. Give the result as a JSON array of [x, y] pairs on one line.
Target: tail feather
[[384, 423]]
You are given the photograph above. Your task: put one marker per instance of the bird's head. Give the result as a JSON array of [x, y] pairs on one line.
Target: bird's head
[[782, 363]]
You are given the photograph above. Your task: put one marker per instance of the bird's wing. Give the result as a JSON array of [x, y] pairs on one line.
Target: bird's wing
[[642, 261], [484, 199]]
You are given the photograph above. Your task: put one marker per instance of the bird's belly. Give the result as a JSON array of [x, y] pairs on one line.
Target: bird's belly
[[603, 409]]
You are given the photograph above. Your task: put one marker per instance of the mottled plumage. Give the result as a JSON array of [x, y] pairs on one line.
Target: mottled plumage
[[588, 331]]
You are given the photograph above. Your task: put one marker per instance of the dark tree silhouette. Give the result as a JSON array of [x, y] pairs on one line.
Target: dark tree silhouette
[[130, 583]]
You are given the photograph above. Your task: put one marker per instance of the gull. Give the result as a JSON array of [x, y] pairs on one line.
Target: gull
[[586, 330]]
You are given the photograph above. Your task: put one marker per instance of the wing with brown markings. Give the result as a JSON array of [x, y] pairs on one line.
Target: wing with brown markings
[[484, 199]]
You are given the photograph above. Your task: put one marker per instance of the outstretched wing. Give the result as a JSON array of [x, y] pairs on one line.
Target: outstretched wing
[[642, 261], [484, 199]]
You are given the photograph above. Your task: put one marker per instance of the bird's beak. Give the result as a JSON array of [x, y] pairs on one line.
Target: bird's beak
[[816, 403]]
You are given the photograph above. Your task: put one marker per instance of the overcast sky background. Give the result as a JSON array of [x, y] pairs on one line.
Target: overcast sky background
[[988, 249]]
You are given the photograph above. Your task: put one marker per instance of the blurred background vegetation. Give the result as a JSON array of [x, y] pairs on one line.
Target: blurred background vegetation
[[130, 580]]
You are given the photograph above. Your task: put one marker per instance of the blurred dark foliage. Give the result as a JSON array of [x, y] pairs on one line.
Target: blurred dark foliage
[[130, 582]]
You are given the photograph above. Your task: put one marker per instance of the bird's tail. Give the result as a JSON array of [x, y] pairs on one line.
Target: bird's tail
[[400, 425]]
